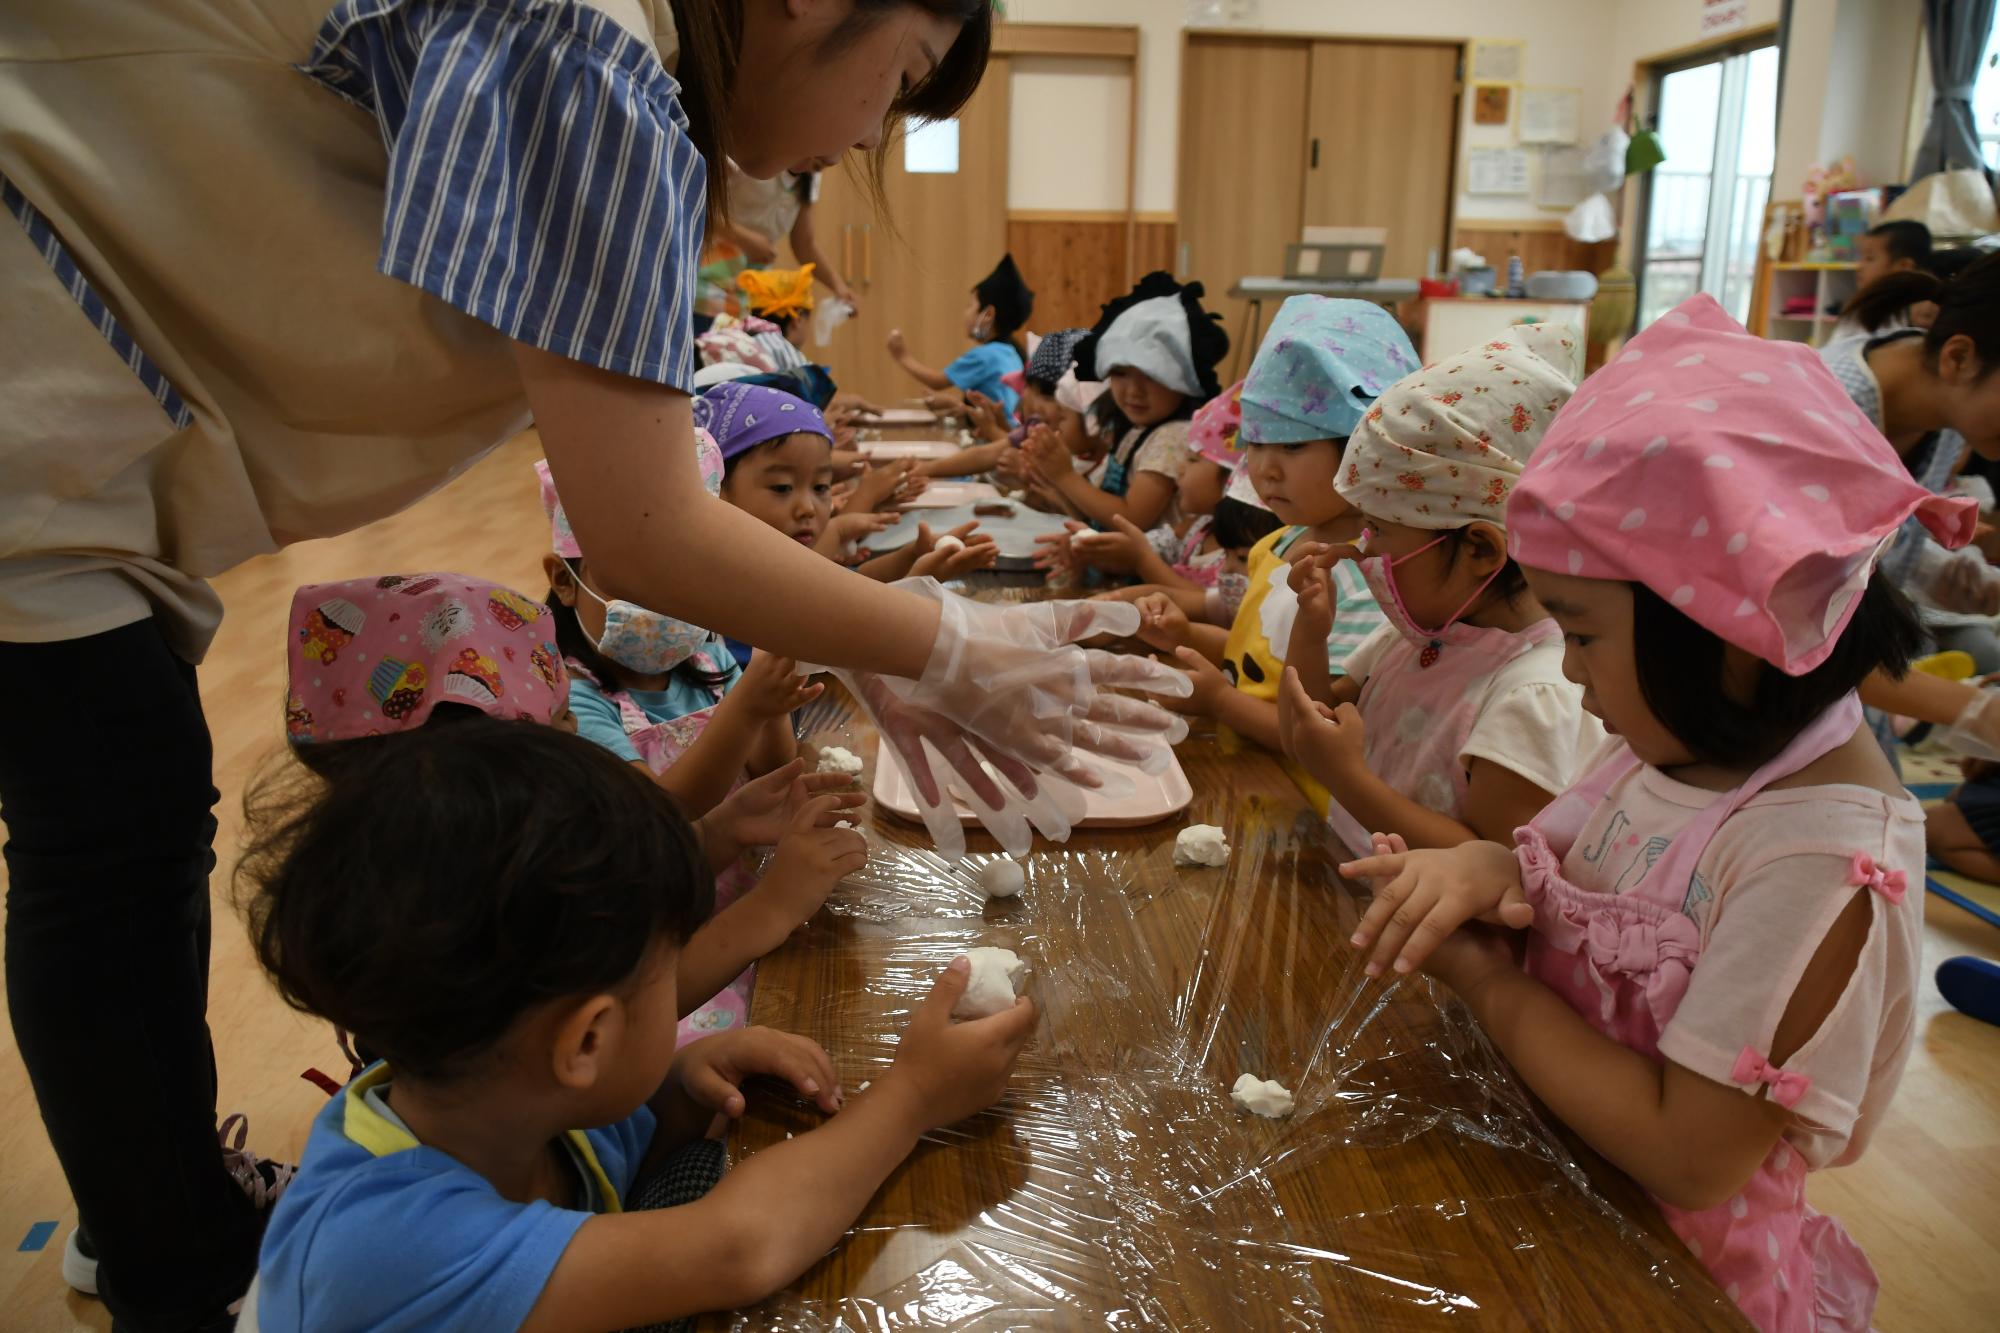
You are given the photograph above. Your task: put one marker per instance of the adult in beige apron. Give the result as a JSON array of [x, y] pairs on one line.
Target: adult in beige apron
[[202, 359]]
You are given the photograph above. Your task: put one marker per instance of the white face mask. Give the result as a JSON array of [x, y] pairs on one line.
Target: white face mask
[[641, 640]]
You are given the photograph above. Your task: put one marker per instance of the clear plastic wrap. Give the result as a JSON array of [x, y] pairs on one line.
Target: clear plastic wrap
[[1117, 1186]]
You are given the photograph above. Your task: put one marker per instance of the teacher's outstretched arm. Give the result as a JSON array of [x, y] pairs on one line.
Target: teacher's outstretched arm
[[943, 676]]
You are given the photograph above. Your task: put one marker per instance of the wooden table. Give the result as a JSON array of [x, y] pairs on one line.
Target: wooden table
[[1116, 1185]]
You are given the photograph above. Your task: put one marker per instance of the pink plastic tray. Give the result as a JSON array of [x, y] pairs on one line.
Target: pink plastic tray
[[909, 448], [949, 494], [1152, 798]]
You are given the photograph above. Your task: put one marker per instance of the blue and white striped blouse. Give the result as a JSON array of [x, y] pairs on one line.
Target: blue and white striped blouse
[[541, 178]]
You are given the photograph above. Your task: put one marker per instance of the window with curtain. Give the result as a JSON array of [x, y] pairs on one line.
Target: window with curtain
[[1986, 102]]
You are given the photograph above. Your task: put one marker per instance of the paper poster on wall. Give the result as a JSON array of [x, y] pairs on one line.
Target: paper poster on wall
[[1496, 171], [1492, 103], [1562, 181], [1721, 16], [1498, 60], [1551, 115]]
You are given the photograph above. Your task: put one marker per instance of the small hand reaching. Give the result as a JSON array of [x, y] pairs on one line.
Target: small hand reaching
[[953, 1070], [757, 813], [1421, 897], [1162, 623], [898, 345], [976, 550], [1119, 550], [1329, 743], [811, 859], [771, 686], [711, 1072]]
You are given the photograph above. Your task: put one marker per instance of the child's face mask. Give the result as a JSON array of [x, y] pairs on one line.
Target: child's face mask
[[644, 641]]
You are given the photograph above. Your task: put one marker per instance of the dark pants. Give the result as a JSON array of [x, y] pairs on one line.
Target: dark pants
[[106, 791]]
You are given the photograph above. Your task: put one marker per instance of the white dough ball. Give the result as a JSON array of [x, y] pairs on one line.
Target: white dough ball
[[991, 987], [947, 543], [1002, 878], [1266, 1097], [834, 759], [1200, 845]]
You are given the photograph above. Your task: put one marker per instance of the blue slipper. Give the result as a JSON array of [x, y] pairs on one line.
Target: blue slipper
[[1972, 985]]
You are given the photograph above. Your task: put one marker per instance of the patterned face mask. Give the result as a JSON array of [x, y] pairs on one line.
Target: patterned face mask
[[644, 641]]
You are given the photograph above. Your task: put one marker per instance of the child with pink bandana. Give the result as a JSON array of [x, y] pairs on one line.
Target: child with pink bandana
[[1703, 957], [1452, 720], [371, 660]]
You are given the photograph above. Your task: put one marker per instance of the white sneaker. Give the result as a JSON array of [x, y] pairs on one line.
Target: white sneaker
[[79, 1267]]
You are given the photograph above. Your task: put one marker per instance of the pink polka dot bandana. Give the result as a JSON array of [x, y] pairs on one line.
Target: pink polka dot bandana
[[563, 541], [369, 657], [1443, 447], [1213, 428], [1730, 475]]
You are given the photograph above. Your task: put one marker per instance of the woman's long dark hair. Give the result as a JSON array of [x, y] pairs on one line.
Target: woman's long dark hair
[[711, 40]]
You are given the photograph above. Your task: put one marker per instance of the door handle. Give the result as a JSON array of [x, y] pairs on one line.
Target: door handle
[[1181, 262], [868, 253], [1315, 161], [847, 247]]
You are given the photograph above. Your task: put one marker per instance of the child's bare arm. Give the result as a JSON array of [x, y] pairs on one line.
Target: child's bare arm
[[778, 1212], [966, 462], [918, 371], [707, 769]]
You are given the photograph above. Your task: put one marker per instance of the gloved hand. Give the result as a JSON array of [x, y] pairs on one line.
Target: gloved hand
[[1961, 581], [1976, 732], [1008, 684]]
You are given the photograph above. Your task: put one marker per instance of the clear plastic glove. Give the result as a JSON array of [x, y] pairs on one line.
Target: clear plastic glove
[[1958, 581], [1007, 684], [1976, 732]]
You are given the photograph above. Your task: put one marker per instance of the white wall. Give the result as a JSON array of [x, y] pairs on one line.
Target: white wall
[[1068, 119], [1567, 41]]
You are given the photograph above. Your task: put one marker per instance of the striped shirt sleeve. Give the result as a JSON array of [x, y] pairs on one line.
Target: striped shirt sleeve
[[1355, 615], [540, 179]]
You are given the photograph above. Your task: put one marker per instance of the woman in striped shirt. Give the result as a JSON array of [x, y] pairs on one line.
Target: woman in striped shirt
[[277, 269]]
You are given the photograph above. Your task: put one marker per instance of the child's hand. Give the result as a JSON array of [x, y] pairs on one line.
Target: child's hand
[[1207, 680], [811, 860], [1119, 551], [953, 1070], [1162, 623], [757, 813], [1012, 467], [1047, 456], [711, 1071], [844, 531], [984, 417], [1328, 743], [977, 551], [771, 686], [1422, 897], [897, 345], [880, 487], [1467, 957], [950, 401], [1308, 564], [1057, 550], [1312, 626]]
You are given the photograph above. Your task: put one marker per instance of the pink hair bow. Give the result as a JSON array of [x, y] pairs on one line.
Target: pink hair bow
[[1891, 884], [1786, 1088]]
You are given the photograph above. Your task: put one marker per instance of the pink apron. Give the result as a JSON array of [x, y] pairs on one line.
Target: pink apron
[[1622, 961], [660, 744], [1416, 750]]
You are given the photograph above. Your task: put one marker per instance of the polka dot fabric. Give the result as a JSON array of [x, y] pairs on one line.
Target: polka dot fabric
[[369, 657], [1730, 475], [1443, 447]]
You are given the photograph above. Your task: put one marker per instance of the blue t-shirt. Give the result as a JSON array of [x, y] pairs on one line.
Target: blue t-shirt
[[980, 368], [379, 1232], [598, 718]]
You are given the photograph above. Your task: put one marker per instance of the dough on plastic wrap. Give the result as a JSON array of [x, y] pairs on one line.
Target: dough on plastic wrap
[[1002, 877], [1200, 845], [991, 987], [834, 759], [1266, 1097]]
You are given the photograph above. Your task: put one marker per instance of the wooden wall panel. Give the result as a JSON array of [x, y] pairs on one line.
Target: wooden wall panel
[[1539, 247], [1077, 264]]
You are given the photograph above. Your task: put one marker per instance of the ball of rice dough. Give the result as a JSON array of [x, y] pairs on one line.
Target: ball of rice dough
[[1002, 878], [947, 543], [991, 987]]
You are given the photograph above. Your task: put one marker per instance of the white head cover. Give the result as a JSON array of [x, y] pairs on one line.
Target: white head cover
[[1152, 338]]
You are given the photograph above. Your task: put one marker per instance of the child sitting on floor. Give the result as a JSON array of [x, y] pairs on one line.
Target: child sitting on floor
[[502, 911], [1452, 721], [1724, 918], [1321, 365], [1001, 304], [381, 658]]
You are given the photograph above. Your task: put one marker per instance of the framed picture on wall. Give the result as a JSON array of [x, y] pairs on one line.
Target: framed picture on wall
[[1492, 103]]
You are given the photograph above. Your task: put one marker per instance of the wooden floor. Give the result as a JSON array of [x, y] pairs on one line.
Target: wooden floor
[[1925, 1202]]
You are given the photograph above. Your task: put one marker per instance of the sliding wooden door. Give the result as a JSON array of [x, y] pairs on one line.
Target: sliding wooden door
[[949, 229], [1243, 108], [1381, 139]]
